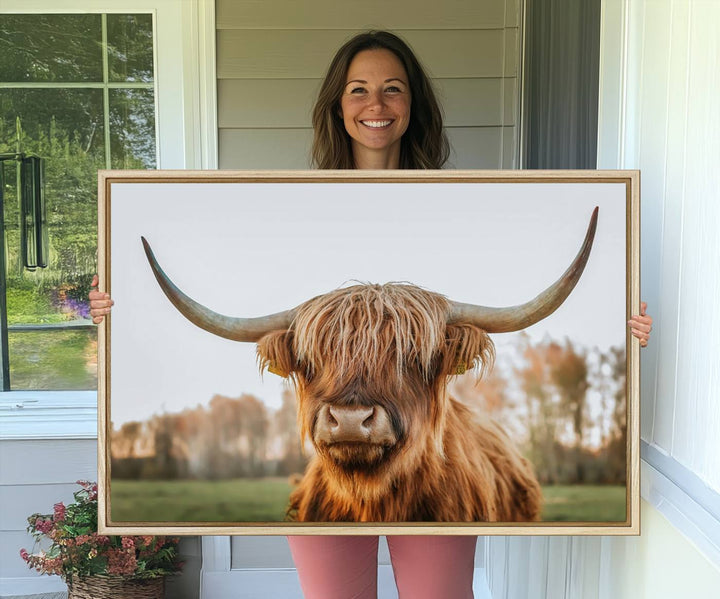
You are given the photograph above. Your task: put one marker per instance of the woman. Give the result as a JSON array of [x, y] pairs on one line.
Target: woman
[[377, 110], [363, 117]]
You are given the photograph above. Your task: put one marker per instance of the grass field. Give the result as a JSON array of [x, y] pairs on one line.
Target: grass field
[[265, 500], [584, 503], [239, 500]]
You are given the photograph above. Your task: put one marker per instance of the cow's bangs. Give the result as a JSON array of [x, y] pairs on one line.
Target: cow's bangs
[[360, 330]]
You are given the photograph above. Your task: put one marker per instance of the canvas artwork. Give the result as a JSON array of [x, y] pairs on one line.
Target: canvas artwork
[[393, 353]]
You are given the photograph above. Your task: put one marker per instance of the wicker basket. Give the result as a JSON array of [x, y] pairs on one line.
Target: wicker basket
[[116, 587]]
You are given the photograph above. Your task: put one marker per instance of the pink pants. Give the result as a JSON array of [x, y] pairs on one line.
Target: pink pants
[[345, 567]]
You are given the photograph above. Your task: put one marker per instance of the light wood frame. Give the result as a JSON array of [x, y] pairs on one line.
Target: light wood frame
[[630, 179]]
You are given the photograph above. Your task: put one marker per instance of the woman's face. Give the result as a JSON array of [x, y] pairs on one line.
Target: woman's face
[[375, 104]]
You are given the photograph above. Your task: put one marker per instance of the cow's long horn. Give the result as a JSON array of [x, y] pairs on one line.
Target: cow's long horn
[[237, 329], [515, 318]]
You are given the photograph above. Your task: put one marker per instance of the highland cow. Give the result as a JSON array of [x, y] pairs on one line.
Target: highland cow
[[370, 364]]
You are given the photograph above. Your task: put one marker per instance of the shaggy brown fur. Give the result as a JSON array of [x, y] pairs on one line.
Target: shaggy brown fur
[[389, 346]]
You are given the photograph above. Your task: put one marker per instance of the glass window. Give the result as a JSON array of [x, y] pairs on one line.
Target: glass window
[[78, 91], [130, 43], [37, 48]]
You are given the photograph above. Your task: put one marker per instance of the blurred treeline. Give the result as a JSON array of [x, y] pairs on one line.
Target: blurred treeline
[[564, 406], [230, 438]]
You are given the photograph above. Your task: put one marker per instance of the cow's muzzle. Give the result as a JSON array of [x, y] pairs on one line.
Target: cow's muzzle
[[354, 424]]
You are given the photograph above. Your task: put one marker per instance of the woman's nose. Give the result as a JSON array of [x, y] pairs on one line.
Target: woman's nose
[[376, 100]]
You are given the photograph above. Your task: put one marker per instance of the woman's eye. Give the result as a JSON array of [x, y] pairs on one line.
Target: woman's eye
[[357, 90], [393, 89]]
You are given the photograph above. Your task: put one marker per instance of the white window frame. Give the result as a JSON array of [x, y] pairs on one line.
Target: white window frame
[[186, 129]]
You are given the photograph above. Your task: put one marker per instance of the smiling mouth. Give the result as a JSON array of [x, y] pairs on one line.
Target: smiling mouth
[[377, 124]]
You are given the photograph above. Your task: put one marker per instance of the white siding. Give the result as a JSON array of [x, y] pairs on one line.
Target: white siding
[[271, 59], [35, 475], [672, 133]]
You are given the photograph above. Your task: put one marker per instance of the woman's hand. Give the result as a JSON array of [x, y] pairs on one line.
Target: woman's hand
[[641, 325], [100, 302]]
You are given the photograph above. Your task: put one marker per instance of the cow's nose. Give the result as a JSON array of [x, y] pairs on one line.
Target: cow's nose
[[350, 424], [354, 424]]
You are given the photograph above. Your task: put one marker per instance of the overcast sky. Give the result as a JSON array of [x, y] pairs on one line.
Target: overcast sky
[[251, 249]]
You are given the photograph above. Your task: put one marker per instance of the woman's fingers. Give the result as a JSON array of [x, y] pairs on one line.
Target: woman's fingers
[[100, 302], [641, 325]]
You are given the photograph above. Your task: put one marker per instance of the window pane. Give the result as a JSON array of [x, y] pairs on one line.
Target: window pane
[[50, 48], [130, 47], [65, 127], [53, 360], [49, 117], [132, 128]]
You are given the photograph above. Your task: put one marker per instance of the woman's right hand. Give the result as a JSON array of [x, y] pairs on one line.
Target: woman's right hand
[[100, 302]]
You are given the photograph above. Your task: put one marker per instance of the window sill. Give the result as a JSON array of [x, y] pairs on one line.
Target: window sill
[[48, 415], [679, 494]]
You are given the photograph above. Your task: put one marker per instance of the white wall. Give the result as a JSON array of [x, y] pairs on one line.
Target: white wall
[[671, 131], [659, 564], [34, 475], [660, 84]]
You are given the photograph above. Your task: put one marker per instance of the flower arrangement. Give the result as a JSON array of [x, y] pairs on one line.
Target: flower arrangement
[[77, 551]]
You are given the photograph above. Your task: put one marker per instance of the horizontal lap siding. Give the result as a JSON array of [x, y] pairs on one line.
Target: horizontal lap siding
[[271, 54], [334, 14], [271, 59], [35, 475]]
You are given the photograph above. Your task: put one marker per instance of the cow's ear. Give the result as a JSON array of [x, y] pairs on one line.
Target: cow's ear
[[467, 347], [275, 353]]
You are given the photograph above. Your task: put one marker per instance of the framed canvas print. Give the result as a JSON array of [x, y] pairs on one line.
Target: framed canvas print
[[369, 352]]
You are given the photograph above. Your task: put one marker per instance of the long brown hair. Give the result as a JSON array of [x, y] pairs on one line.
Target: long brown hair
[[424, 144]]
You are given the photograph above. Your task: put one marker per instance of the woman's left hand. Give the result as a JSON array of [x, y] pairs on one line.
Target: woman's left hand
[[641, 325]]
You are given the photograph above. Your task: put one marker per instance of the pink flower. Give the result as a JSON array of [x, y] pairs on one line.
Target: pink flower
[[24, 554], [43, 526], [82, 539], [128, 543], [53, 565], [59, 509], [121, 562]]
